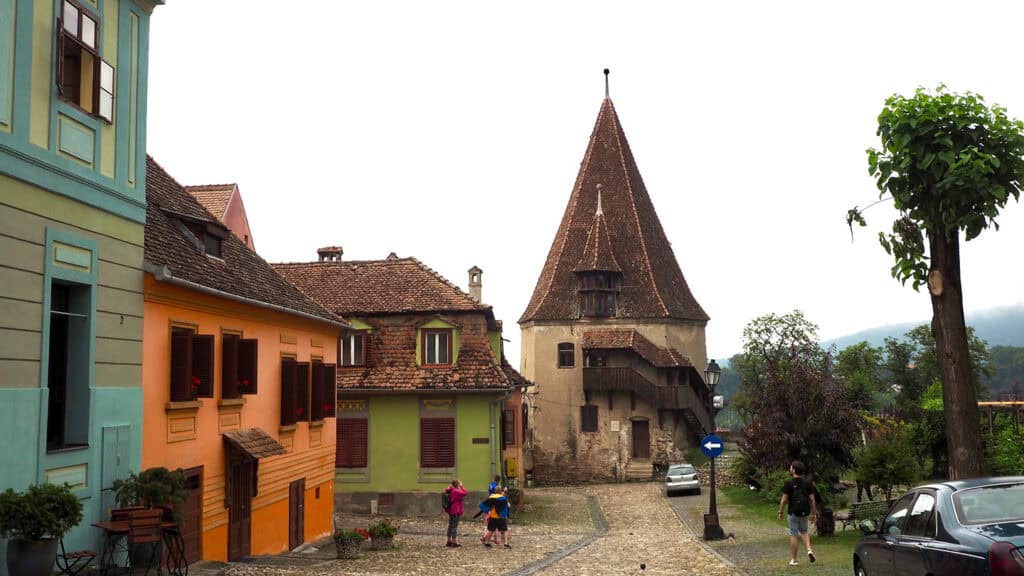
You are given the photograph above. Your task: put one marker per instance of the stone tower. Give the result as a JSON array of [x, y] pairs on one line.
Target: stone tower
[[612, 337]]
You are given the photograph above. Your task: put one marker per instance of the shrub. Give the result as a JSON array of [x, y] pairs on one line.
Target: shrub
[[888, 461], [771, 485], [359, 534], [382, 528], [42, 511]]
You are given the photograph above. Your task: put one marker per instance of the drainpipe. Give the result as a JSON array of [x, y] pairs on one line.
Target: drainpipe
[[495, 450]]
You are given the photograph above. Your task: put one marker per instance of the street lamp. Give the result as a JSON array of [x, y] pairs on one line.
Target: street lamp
[[712, 529]]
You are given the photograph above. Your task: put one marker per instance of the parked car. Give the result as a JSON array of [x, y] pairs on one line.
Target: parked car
[[965, 527], [681, 478]]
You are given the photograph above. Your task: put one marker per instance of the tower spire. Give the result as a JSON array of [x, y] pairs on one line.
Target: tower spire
[[606, 72]]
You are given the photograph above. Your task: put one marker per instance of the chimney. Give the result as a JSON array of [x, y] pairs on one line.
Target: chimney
[[476, 284], [330, 253]]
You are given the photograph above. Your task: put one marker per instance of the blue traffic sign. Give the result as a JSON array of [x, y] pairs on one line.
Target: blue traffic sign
[[712, 446]]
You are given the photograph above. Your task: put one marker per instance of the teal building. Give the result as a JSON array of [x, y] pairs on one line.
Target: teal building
[[72, 210]]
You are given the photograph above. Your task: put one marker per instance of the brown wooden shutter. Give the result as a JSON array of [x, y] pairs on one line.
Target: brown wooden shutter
[[588, 418], [248, 365], [352, 443], [508, 427], [302, 392], [288, 377], [316, 396], [181, 366], [229, 366], [202, 363], [437, 442], [330, 399]]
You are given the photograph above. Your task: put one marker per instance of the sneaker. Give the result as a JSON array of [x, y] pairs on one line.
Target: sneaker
[[810, 555], [508, 545], [794, 563]]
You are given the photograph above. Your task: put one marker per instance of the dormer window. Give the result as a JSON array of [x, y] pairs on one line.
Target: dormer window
[[437, 347], [208, 237], [599, 293], [353, 349], [83, 78]]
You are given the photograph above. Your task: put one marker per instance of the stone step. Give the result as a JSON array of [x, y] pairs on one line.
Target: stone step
[[639, 470]]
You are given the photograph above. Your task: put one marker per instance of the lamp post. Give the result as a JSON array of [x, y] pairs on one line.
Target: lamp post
[[712, 529]]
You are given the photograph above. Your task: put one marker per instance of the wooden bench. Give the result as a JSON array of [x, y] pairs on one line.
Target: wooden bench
[[873, 510]]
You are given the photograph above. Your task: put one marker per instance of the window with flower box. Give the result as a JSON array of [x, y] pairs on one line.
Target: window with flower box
[[239, 362], [323, 397], [191, 365]]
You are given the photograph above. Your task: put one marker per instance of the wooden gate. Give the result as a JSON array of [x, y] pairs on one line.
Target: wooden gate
[[240, 487], [296, 513], [641, 440]]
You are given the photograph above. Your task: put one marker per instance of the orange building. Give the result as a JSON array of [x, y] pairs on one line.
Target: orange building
[[238, 373]]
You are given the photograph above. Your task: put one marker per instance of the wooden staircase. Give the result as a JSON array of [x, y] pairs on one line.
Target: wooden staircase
[[639, 470]]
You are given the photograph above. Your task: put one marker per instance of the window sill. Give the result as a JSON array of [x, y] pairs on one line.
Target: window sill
[[230, 402], [186, 406], [437, 365], [287, 428], [64, 449], [316, 424]]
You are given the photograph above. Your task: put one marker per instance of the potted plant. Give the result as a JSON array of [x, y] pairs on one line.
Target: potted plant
[[152, 488], [348, 542], [382, 533], [33, 521]]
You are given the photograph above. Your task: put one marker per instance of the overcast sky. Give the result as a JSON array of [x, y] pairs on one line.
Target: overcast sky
[[453, 132]]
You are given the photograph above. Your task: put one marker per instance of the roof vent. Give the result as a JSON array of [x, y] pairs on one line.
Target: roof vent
[[330, 253]]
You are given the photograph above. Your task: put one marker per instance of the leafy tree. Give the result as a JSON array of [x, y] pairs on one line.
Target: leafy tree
[[888, 460], [1008, 372], [802, 413], [950, 164], [859, 366]]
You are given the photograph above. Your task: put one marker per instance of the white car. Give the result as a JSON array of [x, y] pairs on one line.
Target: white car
[[682, 478]]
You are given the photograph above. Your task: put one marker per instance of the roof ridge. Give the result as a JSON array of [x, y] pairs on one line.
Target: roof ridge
[[448, 282], [620, 135], [210, 186]]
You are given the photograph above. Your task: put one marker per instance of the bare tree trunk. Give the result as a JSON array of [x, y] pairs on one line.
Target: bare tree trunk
[[959, 397]]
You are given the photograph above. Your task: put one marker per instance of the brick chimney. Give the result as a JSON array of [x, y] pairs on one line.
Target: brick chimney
[[330, 253], [476, 284]]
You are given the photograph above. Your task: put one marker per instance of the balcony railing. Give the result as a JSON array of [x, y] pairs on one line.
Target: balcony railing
[[625, 379]]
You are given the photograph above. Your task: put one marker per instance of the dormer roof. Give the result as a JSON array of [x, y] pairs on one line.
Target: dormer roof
[[653, 285]]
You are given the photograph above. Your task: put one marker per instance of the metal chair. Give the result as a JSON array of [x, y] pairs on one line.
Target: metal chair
[[144, 530], [72, 563]]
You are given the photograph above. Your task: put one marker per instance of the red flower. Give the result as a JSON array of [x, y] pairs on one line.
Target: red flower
[[327, 407], [196, 382], [298, 411]]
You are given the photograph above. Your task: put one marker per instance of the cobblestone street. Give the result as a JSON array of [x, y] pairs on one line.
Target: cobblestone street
[[567, 535]]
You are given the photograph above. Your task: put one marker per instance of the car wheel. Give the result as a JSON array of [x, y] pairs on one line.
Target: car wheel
[[858, 568]]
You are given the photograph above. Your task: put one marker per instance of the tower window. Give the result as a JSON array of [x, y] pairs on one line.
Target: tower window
[[566, 355]]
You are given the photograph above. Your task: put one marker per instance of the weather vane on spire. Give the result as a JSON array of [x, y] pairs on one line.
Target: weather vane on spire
[[606, 72]]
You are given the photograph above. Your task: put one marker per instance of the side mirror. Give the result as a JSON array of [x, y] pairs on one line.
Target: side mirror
[[868, 527]]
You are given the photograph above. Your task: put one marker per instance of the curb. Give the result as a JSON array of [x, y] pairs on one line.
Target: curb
[[600, 529], [700, 542]]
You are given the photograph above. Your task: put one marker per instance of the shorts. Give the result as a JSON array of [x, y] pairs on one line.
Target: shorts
[[497, 525], [797, 524]]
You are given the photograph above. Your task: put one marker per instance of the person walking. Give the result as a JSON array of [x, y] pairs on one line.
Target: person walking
[[497, 517], [456, 493], [798, 495]]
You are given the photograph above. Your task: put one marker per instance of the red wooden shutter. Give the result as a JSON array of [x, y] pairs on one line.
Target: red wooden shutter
[[352, 443], [302, 392], [202, 363], [368, 352], [229, 366], [588, 418], [248, 365], [330, 398], [316, 397], [437, 442], [181, 365], [288, 377], [508, 427]]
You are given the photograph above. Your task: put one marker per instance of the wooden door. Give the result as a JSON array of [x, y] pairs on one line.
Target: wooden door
[[641, 440], [192, 515], [296, 513], [240, 516]]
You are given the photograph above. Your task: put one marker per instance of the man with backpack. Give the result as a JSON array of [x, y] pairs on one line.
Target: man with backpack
[[798, 493]]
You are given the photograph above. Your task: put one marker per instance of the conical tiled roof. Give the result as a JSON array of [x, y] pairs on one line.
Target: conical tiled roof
[[598, 255], [653, 285]]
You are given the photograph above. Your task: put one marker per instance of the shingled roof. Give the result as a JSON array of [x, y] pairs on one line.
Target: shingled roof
[[661, 357], [653, 284], [598, 254], [390, 286], [213, 197], [240, 271]]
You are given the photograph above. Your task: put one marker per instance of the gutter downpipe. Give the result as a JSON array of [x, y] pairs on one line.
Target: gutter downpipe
[[494, 443], [163, 274]]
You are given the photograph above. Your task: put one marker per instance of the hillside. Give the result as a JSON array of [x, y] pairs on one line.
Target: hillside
[[998, 326]]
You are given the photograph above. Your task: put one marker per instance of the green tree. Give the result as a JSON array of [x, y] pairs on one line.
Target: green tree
[[859, 366], [950, 164], [888, 460]]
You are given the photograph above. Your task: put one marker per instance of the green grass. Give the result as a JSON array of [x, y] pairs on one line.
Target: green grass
[[762, 547]]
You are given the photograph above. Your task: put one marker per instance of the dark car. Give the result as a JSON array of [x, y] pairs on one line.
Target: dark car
[[965, 527]]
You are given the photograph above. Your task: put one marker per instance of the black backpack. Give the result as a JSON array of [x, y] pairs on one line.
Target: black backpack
[[446, 500], [800, 499]]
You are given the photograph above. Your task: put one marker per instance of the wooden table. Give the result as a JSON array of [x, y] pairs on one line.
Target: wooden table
[[116, 530]]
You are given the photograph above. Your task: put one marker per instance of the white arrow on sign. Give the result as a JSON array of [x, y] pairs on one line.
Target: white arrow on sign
[[712, 445]]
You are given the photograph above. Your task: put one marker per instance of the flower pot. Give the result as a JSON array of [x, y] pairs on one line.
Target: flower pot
[[31, 557], [382, 542], [349, 547]]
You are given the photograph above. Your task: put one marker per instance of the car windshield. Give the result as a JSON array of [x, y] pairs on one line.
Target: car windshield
[[680, 470], [990, 504]]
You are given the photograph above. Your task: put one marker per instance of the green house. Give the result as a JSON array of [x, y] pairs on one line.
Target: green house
[[423, 388], [72, 209]]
